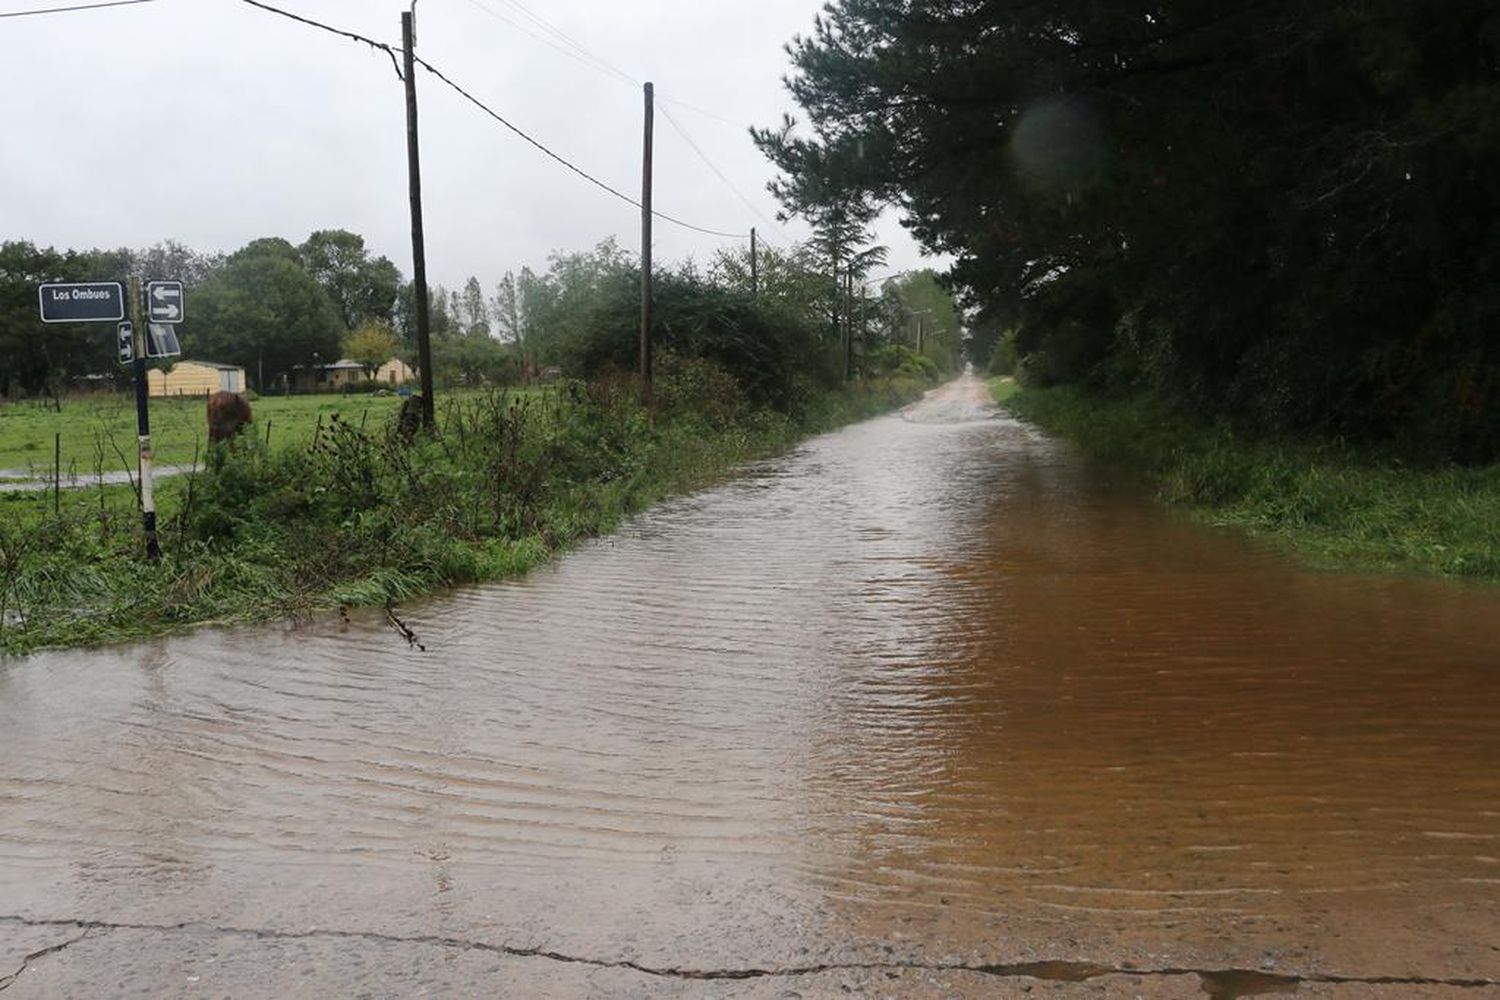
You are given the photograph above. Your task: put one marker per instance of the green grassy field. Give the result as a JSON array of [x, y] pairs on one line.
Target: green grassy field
[[1003, 387], [1334, 507], [178, 427], [93, 427]]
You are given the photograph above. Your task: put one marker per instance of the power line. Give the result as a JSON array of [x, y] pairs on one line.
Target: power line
[[714, 167], [571, 41], [68, 10], [581, 57], [701, 111], [576, 51], [390, 50], [562, 160]]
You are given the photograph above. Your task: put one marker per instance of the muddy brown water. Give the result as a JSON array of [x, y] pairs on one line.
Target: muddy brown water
[[927, 693]]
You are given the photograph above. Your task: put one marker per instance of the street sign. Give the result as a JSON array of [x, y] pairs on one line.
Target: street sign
[[125, 338], [161, 341], [164, 301], [83, 302]]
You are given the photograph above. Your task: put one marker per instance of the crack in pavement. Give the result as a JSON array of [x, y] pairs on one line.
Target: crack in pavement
[[1221, 984], [6, 982]]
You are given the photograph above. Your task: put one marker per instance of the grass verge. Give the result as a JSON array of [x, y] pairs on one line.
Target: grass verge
[[354, 514], [1335, 508]]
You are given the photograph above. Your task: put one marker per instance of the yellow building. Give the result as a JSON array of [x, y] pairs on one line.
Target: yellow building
[[195, 378], [395, 372]]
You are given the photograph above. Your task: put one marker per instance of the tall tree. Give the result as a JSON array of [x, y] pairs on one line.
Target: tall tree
[[360, 286], [264, 312], [474, 312], [814, 184], [1278, 210], [173, 261], [507, 310]]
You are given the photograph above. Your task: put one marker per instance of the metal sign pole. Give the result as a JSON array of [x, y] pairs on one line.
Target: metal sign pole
[[143, 420]]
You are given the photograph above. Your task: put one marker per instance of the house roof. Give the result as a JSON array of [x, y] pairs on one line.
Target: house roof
[[344, 363], [208, 364]]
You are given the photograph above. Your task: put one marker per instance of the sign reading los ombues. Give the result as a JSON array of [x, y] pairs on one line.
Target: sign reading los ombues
[[83, 302]]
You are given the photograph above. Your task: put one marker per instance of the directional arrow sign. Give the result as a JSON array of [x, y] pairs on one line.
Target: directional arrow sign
[[125, 340], [164, 301], [86, 302]]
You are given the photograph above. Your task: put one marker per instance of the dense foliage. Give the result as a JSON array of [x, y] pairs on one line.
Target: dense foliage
[[1282, 211], [278, 309]]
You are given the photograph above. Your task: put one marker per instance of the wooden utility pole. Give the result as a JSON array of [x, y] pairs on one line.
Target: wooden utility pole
[[859, 310], [848, 293], [650, 93], [754, 265], [418, 246]]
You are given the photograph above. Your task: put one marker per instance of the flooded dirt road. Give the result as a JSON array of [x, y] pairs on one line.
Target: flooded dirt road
[[927, 708]]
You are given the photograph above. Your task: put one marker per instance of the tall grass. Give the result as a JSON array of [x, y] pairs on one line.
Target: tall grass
[[1337, 507]]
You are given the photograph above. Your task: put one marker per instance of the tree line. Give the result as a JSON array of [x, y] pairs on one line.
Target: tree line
[[274, 308], [1278, 213]]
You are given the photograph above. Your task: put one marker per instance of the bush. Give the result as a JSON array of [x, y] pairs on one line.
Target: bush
[[762, 347], [898, 359], [1004, 358]]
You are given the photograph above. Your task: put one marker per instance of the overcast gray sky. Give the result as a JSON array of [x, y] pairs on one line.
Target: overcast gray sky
[[212, 122]]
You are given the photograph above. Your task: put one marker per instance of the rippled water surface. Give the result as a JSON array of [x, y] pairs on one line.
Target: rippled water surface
[[929, 686]]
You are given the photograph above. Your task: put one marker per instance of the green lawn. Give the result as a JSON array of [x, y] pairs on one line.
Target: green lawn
[[94, 426], [1002, 387]]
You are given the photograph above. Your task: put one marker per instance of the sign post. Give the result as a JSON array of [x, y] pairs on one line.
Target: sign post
[[135, 339], [143, 417]]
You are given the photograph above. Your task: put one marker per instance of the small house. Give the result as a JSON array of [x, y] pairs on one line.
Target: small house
[[395, 372], [342, 374], [327, 378], [195, 378]]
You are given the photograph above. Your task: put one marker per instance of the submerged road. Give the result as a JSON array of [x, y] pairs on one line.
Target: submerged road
[[927, 708]]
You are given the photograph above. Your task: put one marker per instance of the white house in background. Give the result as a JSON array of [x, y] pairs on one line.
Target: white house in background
[[195, 378]]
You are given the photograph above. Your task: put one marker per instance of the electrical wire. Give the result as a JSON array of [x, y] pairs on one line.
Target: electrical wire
[[677, 127], [68, 10], [429, 67], [562, 160], [582, 56], [701, 111], [576, 51], [388, 49], [570, 41]]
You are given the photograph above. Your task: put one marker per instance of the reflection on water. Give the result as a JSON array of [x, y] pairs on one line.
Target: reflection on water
[[928, 686]]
